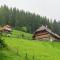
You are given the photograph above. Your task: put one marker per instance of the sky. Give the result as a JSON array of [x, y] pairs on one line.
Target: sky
[[49, 8]]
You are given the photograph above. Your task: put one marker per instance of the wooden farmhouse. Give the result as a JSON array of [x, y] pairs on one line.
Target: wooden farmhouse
[[44, 33], [6, 28]]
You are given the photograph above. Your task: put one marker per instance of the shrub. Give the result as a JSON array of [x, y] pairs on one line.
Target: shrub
[[2, 44], [23, 29]]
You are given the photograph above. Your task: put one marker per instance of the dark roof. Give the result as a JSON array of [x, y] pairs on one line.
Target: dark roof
[[42, 28]]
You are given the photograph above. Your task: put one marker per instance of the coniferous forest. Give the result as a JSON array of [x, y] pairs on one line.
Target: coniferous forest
[[20, 19]]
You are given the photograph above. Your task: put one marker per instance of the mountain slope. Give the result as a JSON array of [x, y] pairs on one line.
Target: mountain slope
[[24, 49]]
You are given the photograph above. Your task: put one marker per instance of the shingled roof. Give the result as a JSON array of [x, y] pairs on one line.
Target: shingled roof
[[42, 28], [7, 27]]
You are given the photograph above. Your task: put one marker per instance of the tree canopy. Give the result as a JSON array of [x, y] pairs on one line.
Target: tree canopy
[[31, 21]]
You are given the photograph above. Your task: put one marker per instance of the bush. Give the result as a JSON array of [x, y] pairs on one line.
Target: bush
[[2, 44], [23, 29]]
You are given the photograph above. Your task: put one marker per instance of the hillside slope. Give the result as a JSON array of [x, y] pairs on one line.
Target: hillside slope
[[24, 49]]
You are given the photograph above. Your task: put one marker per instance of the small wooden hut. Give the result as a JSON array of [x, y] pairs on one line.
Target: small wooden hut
[[44, 33], [6, 28]]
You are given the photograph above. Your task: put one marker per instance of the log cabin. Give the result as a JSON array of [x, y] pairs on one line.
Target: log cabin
[[6, 28], [44, 33]]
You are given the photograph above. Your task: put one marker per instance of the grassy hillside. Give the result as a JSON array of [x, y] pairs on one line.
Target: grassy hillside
[[19, 34], [24, 49], [16, 33]]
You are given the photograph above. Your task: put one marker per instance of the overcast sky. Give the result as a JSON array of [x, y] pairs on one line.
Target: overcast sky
[[49, 8]]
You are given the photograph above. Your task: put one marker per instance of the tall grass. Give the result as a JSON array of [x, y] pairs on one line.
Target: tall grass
[[33, 50], [23, 48]]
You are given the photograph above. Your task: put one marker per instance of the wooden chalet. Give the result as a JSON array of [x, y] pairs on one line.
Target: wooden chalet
[[44, 33], [5, 28]]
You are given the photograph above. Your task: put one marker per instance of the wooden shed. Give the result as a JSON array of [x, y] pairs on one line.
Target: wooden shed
[[44, 33], [6, 28]]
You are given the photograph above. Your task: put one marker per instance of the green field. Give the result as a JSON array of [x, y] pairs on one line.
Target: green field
[[27, 49]]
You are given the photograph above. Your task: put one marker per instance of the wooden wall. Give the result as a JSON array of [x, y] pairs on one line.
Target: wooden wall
[[44, 36]]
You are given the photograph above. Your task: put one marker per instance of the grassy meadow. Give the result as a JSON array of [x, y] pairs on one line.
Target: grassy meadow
[[24, 48]]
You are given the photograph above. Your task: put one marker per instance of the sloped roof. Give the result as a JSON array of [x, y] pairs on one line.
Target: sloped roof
[[7, 27], [43, 28], [48, 30]]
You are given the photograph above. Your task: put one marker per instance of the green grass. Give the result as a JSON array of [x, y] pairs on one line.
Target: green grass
[[24, 49], [19, 34]]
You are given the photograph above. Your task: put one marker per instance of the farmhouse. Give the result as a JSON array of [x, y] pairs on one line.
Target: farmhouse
[[44, 33], [6, 28]]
